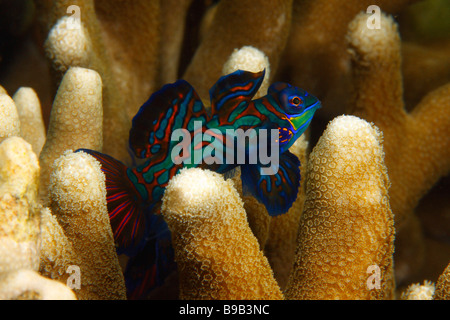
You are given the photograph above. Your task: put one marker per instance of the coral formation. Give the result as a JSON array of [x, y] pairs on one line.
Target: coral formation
[[9, 117], [416, 144], [97, 37], [32, 128], [377, 166], [442, 291], [251, 59], [78, 200], [19, 227], [218, 256], [235, 24], [417, 291], [19, 224], [281, 240], [30, 285], [347, 225], [417, 138], [57, 252], [317, 54], [75, 121]]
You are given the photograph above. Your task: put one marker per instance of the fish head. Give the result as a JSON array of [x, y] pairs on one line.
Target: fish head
[[298, 107]]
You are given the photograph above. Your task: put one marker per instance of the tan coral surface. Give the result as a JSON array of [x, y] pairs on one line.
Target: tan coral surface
[[347, 224], [396, 76], [218, 256]]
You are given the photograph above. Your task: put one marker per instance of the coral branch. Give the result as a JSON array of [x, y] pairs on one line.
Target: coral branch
[[218, 257], [443, 286], [78, 200], [9, 118], [417, 291], [19, 218], [75, 120], [134, 55], [316, 57], [275, 235], [416, 145], [376, 71], [238, 23], [101, 40], [347, 225], [32, 127], [29, 285], [173, 20], [250, 59], [56, 251]]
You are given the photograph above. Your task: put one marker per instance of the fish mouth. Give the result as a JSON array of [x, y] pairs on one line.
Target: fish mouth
[[316, 105]]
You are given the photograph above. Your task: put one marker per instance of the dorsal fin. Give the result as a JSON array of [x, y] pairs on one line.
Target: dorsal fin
[[170, 108], [230, 90], [277, 87]]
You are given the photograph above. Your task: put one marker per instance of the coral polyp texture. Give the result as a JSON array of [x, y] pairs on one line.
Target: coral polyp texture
[[218, 256], [371, 216], [78, 200], [347, 225], [75, 120], [418, 291]]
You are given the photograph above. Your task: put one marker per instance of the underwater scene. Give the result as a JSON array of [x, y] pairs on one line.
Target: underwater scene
[[224, 150]]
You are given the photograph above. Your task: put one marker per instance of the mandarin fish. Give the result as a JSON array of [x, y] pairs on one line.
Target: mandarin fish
[[134, 193]]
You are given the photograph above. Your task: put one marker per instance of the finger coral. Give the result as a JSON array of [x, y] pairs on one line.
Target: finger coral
[[9, 118], [56, 250], [218, 256], [20, 220], [317, 51], [281, 239], [377, 73], [236, 24], [84, 67], [442, 291], [97, 37], [29, 285], [347, 224], [416, 145], [78, 200], [20, 227], [32, 128], [419, 292], [251, 59], [75, 120]]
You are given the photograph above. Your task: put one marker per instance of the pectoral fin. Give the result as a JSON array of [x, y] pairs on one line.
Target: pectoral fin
[[277, 191]]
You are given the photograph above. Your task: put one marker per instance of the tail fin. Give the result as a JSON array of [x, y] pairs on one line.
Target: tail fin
[[126, 208]]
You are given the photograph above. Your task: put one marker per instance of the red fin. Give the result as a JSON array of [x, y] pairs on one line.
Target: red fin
[[126, 207]]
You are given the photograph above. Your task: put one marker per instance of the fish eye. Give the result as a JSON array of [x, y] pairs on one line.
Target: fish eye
[[296, 101]]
